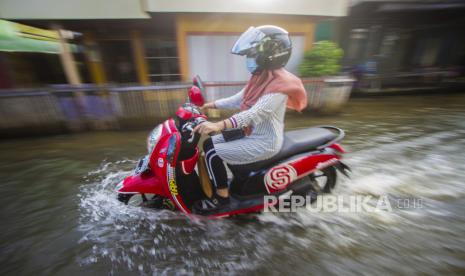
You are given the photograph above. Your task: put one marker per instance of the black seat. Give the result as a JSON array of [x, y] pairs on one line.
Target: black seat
[[295, 142]]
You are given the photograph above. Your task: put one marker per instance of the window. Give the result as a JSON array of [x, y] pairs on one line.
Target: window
[[118, 60], [357, 43], [162, 60]]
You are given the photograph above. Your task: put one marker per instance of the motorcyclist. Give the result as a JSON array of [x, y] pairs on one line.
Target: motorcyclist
[[262, 103]]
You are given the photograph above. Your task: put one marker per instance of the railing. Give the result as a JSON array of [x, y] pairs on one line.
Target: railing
[[317, 92], [89, 107], [143, 106], [219, 90], [29, 109]]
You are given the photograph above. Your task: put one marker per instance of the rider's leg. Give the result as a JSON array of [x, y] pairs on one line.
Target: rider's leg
[[216, 169]]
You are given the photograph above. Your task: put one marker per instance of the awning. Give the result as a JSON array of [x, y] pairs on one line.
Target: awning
[[409, 7], [16, 37]]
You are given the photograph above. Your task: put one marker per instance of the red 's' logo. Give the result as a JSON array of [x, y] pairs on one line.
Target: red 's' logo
[[279, 177]]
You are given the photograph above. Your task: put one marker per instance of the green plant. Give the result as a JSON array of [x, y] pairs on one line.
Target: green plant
[[322, 60]]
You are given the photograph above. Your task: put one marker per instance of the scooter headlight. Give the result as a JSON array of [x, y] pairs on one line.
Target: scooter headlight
[[119, 186], [153, 138]]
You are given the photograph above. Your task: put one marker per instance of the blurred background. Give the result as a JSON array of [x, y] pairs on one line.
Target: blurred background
[[120, 64], [82, 82]]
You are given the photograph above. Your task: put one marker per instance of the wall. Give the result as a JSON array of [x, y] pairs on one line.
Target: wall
[[71, 9], [294, 7], [104, 9]]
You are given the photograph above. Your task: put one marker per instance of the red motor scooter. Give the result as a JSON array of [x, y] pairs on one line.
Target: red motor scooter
[[168, 176]]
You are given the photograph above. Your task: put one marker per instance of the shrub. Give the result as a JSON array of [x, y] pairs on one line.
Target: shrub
[[322, 60]]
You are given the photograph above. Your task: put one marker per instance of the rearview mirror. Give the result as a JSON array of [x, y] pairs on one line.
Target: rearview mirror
[[195, 96]]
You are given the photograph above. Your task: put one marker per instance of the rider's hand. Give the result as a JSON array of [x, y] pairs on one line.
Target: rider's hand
[[208, 127], [207, 106]]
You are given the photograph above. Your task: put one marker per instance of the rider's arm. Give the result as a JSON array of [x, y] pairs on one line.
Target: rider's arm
[[233, 102], [261, 110]]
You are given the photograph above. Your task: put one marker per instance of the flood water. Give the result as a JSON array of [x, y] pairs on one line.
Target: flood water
[[59, 214]]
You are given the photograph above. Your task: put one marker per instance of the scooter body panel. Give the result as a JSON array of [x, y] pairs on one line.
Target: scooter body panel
[[279, 177]]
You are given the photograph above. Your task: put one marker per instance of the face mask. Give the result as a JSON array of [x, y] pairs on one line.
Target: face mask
[[251, 65]]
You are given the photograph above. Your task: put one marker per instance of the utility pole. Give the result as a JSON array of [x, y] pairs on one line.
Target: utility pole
[[66, 57]]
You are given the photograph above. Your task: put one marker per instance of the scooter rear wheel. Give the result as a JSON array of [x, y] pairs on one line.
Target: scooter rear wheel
[[323, 181]]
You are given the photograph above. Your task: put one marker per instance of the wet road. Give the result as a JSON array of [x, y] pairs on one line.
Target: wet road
[[59, 214]]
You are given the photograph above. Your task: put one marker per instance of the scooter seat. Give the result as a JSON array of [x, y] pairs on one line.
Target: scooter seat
[[295, 142]]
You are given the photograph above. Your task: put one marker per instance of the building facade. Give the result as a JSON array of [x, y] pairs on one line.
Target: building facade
[[153, 41], [405, 44]]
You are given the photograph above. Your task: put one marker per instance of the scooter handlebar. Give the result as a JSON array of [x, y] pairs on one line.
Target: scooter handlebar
[[189, 126]]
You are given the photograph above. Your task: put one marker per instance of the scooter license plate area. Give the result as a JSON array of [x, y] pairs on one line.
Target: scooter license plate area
[[142, 165]]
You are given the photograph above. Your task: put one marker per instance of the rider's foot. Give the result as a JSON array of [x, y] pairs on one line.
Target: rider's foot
[[211, 204]]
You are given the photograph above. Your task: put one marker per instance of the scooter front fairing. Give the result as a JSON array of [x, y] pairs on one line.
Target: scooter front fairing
[[144, 183], [166, 172], [149, 176]]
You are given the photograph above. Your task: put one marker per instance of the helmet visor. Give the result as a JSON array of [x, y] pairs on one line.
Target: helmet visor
[[247, 41]]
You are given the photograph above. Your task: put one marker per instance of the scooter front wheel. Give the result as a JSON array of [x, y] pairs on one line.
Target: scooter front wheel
[[124, 198], [155, 202], [132, 199]]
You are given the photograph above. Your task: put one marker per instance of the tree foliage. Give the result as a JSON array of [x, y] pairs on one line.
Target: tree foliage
[[322, 60]]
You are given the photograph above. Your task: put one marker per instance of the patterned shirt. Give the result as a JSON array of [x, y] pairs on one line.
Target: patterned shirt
[[266, 117]]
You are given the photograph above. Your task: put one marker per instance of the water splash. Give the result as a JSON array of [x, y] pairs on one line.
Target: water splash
[[143, 240], [411, 162]]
